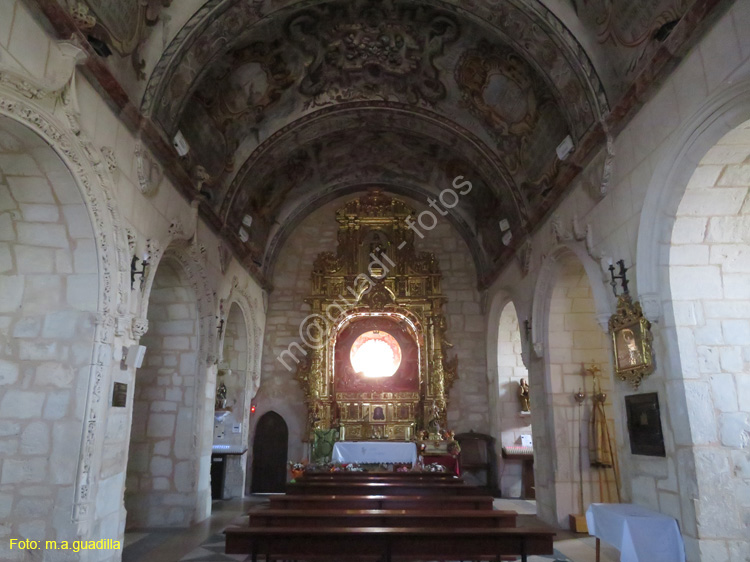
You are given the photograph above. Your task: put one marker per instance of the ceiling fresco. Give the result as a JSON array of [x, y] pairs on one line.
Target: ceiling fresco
[[286, 103], [629, 31], [282, 104]]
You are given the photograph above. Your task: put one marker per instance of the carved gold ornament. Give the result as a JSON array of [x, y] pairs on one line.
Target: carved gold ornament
[[631, 341], [376, 281]]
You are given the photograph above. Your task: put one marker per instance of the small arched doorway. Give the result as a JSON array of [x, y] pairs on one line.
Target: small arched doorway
[[269, 455]]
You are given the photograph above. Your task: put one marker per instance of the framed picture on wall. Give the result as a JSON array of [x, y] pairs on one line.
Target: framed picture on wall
[[631, 342], [644, 425]]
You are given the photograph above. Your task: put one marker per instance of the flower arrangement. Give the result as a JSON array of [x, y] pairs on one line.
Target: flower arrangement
[[434, 467], [297, 469], [454, 448], [353, 467]]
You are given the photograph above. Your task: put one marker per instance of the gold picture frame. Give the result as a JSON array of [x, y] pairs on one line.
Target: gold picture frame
[[631, 342]]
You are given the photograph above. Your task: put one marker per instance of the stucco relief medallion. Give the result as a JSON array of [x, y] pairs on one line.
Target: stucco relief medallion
[[370, 51]]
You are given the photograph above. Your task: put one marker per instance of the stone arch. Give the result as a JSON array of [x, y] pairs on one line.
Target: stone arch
[[511, 368], [719, 115], [82, 178], [174, 455], [692, 225], [554, 377], [252, 318], [234, 365]]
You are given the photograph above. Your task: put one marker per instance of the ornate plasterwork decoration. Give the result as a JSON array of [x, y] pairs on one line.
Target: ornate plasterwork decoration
[[524, 255], [238, 93], [148, 170], [37, 109], [515, 117], [225, 256], [530, 26], [363, 49], [465, 154], [123, 24]]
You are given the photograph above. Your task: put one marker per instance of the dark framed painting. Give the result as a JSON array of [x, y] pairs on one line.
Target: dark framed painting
[[644, 425]]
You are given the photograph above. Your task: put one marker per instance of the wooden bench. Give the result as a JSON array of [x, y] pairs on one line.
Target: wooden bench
[[381, 518], [387, 543], [421, 488], [346, 476], [332, 501]]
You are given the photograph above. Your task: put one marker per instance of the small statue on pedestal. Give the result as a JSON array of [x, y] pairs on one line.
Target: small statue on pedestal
[[523, 395], [221, 397]]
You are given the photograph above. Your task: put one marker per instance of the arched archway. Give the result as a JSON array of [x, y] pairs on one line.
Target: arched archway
[[163, 460], [270, 454], [514, 420], [570, 339], [233, 374], [685, 278], [709, 276], [50, 272]]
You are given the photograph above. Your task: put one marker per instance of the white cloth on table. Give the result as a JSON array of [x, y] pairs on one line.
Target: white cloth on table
[[640, 534], [374, 452]]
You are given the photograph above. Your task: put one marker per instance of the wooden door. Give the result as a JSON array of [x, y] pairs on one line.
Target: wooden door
[[269, 455]]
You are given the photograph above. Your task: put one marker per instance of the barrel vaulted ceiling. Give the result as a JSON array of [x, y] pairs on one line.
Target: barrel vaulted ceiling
[[288, 104]]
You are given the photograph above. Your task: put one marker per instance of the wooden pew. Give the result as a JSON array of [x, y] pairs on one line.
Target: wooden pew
[[421, 488], [332, 501], [346, 476], [387, 543], [381, 518]]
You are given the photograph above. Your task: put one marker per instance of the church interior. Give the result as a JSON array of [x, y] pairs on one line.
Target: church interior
[[261, 255]]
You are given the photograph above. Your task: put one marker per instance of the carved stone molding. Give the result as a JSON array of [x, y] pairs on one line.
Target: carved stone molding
[[148, 170], [36, 108], [578, 233], [524, 255], [139, 327]]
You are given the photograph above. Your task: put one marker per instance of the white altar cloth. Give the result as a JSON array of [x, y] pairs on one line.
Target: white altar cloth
[[641, 535], [374, 452]]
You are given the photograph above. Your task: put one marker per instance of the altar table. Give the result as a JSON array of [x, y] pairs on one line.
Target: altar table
[[641, 535], [374, 452]]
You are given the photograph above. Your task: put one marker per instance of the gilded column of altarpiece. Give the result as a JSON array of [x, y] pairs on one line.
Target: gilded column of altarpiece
[[376, 281]]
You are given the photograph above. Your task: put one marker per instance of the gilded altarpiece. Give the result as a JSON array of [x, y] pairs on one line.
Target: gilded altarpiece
[[376, 283]]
